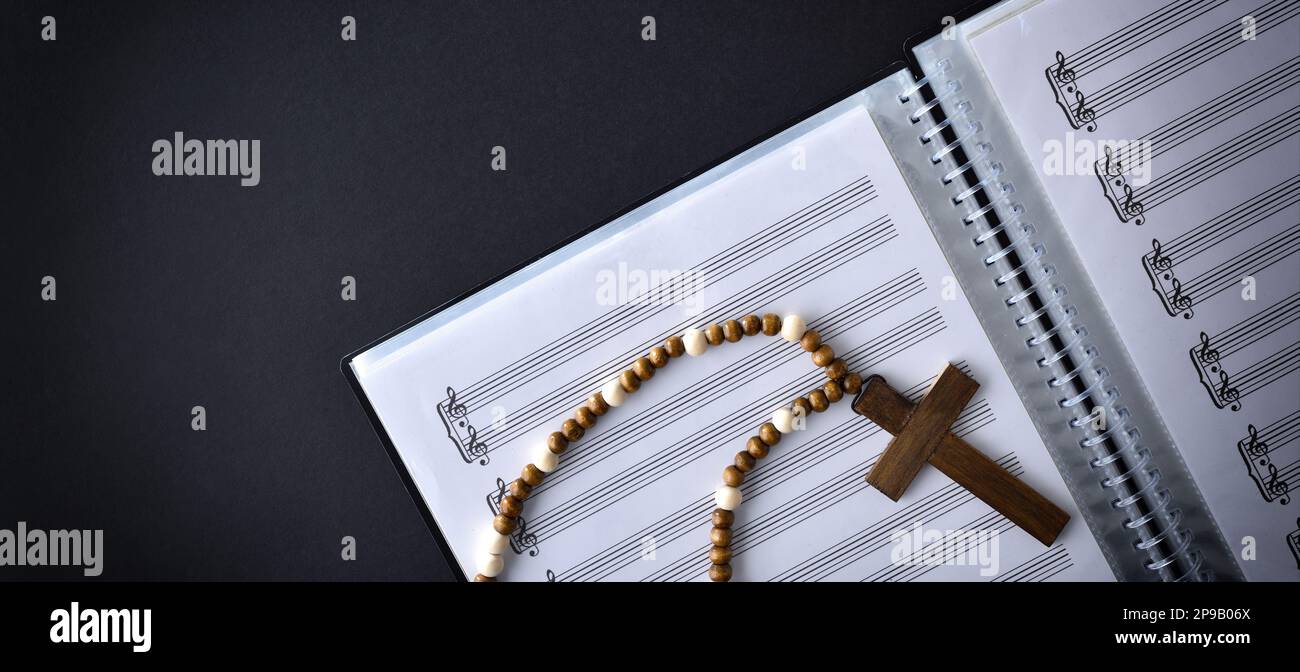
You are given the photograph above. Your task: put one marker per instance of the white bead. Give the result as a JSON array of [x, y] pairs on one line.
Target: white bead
[[491, 564], [783, 419], [497, 543], [727, 498], [695, 342], [613, 393], [792, 328], [546, 460]]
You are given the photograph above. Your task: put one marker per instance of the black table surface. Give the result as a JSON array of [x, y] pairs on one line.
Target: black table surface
[[375, 163]]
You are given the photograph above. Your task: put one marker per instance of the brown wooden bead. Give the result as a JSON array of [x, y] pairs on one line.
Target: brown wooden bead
[[643, 368], [852, 383], [720, 555], [837, 369], [811, 341], [658, 357], [833, 391], [802, 404], [745, 461], [720, 573], [823, 356], [572, 430], [750, 324], [520, 490], [675, 346], [585, 417], [511, 507], [771, 324], [629, 381], [731, 331], [733, 476], [556, 443], [819, 401], [769, 434], [479, 578], [532, 475], [504, 524], [723, 518], [713, 334], [596, 402], [756, 447], [720, 536]]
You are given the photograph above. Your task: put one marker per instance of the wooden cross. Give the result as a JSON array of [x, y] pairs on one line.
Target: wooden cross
[[921, 435]]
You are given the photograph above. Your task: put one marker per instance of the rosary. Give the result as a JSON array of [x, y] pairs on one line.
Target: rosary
[[920, 433]]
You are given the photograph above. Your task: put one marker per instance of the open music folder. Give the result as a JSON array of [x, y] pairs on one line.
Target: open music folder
[[1091, 208]]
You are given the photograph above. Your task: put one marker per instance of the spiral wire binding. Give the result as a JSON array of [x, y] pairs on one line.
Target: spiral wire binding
[[1071, 363]]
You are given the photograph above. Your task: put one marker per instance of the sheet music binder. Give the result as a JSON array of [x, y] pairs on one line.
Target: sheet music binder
[[984, 202]]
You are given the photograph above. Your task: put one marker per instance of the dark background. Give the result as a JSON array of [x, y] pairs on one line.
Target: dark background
[[375, 161]]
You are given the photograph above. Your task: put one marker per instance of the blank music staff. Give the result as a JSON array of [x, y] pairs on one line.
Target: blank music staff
[[1272, 456], [1134, 204], [1083, 104], [1119, 162], [1231, 369], [1192, 268], [530, 415]]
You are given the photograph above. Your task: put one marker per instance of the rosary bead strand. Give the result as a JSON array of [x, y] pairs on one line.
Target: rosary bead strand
[[547, 458], [614, 393], [784, 421]]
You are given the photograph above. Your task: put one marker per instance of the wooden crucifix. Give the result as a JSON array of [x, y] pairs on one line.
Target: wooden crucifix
[[921, 435]]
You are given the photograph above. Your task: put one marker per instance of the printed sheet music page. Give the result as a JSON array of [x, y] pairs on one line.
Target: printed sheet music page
[[816, 221], [1168, 133]]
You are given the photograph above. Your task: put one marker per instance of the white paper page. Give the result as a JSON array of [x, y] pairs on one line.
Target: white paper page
[[1193, 238], [817, 222]]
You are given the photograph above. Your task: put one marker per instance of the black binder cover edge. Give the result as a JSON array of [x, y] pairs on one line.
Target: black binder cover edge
[[909, 45]]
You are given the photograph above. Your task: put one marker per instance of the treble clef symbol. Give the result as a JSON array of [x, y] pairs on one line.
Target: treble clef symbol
[[1278, 489], [1254, 446], [1111, 167], [550, 576], [525, 538], [1159, 261], [1132, 206], [454, 409], [474, 447], [501, 490], [1228, 393], [1178, 301], [453, 415], [1207, 355], [1062, 74], [1085, 114]]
